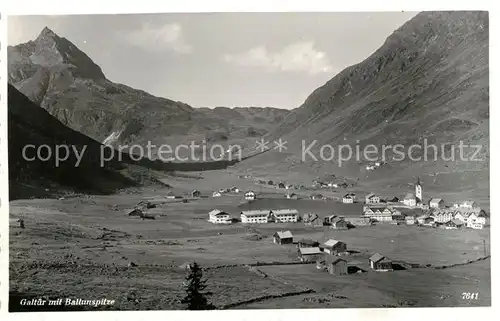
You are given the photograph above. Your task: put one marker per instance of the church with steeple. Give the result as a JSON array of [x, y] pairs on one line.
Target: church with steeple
[[418, 191]]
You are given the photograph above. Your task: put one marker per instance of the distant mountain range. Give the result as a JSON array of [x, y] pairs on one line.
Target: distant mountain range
[[428, 81], [53, 73]]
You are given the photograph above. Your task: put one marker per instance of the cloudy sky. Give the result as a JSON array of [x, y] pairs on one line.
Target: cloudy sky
[[221, 59]]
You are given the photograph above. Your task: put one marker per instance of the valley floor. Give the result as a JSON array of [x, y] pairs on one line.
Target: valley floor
[[81, 247]]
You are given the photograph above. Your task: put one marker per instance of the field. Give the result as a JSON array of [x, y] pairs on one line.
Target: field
[[83, 247]]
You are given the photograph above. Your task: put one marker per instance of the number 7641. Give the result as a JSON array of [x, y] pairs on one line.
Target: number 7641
[[470, 295]]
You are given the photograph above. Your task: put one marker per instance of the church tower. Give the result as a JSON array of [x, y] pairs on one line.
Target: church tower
[[418, 190]]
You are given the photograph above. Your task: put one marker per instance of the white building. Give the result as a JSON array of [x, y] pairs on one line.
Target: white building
[[468, 204], [250, 195], [410, 200], [216, 194], [436, 203], [418, 191], [286, 215], [219, 217], [372, 199], [477, 221], [255, 216], [348, 198], [443, 216], [383, 214]]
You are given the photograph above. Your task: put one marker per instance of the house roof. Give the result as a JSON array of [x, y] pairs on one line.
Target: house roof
[[255, 212], [331, 243], [334, 260], [249, 192], [370, 196], [349, 195], [285, 211], [308, 241], [284, 235], [377, 257], [216, 212], [457, 222], [309, 250], [435, 201], [409, 196], [336, 220], [468, 203]]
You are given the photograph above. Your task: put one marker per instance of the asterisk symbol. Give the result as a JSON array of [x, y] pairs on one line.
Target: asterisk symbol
[[280, 145], [262, 145]]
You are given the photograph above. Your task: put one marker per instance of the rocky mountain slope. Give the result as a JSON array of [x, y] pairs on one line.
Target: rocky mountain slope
[[55, 74], [428, 80], [428, 83]]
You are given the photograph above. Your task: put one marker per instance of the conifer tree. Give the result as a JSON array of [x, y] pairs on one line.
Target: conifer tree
[[194, 284]]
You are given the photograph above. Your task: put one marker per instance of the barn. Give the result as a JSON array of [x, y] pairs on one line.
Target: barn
[[283, 237], [333, 247], [309, 254], [336, 265], [380, 263]]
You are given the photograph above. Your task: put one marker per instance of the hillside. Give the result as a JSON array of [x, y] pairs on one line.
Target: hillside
[[55, 74], [29, 124], [428, 81]]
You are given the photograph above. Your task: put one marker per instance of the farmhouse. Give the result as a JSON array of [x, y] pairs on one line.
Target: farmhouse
[[292, 196], [311, 219], [410, 220], [478, 221], [380, 263], [436, 203], [333, 247], [410, 200], [250, 195], [135, 212], [453, 224], [339, 223], [286, 215], [327, 220], [307, 243], [428, 221], [216, 194], [289, 186], [234, 189], [195, 194], [317, 197], [283, 237], [398, 218], [219, 217], [255, 216], [468, 204], [171, 195], [372, 199], [442, 216], [281, 185], [336, 265], [359, 221], [310, 254], [348, 198], [382, 214]]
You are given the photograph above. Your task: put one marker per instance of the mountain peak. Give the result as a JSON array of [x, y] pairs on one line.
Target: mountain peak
[[47, 33], [49, 50]]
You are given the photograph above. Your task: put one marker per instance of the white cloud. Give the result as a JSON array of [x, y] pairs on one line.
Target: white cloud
[[165, 37], [299, 57]]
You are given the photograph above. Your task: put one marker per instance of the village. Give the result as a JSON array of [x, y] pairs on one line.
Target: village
[[332, 255]]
